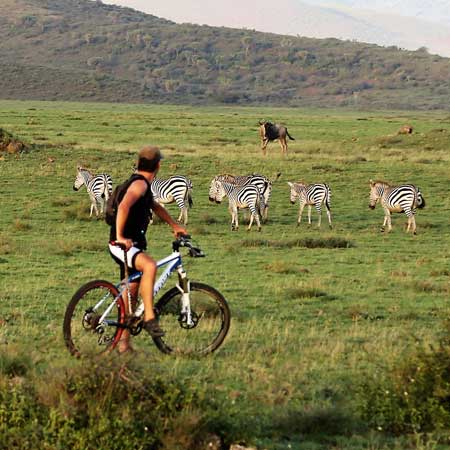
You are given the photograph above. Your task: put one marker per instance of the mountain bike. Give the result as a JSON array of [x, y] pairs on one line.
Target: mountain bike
[[194, 316]]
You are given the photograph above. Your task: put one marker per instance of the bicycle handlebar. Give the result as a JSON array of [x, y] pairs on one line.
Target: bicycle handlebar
[[184, 240]]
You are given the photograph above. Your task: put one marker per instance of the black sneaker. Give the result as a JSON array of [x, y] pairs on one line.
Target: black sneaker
[[152, 328]]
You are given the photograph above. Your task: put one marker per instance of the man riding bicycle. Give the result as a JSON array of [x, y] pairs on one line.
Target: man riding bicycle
[[128, 230]]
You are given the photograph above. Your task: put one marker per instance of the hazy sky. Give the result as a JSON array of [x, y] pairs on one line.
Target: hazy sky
[[407, 24]]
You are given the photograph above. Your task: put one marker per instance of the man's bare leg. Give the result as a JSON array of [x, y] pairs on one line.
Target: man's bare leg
[[147, 265], [124, 342]]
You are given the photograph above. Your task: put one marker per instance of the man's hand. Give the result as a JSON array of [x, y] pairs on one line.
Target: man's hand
[[178, 229], [127, 243]]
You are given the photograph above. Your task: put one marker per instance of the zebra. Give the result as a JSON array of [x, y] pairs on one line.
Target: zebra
[[263, 183], [99, 188], [176, 188], [403, 198], [311, 194], [239, 197]]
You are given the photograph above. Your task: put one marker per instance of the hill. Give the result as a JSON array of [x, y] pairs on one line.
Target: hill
[[382, 22], [84, 50]]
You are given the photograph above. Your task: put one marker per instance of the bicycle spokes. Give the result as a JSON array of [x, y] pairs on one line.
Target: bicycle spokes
[[199, 329], [93, 319]]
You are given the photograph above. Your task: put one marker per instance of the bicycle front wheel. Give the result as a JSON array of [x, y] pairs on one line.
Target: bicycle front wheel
[[210, 321], [84, 333]]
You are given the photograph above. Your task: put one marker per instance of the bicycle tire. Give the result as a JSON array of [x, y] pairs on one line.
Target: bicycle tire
[[79, 324], [213, 321]]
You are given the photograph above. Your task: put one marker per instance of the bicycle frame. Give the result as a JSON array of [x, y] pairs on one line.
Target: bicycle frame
[[173, 263]]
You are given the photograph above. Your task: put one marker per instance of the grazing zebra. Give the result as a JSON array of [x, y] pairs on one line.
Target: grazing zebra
[[99, 188], [239, 197], [177, 189], [404, 198], [311, 194], [263, 183]]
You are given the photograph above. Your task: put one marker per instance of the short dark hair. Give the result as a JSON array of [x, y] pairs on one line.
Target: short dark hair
[[149, 158]]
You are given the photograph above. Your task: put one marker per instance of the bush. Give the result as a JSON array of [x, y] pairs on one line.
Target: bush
[[413, 398], [99, 405], [331, 242]]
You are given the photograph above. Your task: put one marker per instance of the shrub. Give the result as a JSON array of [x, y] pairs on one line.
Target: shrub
[[98, 405], [414, 397], [331, 242]]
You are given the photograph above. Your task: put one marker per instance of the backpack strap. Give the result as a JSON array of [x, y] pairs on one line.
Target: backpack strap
[[137, 176]]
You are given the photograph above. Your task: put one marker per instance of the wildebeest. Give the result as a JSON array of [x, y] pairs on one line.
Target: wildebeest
[[272, 131]]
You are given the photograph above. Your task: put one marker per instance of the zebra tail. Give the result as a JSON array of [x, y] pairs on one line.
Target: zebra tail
[[328, 197], [262, 205], [191, 202], [289, 136], [106, 193]]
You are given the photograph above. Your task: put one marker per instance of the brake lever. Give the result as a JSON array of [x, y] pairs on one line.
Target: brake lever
[[196, 252]]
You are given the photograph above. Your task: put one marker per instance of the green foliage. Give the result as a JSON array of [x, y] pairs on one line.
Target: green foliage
[[97, 405], [14, 365], [77, 50], [315, 312], [331, 242], [412, 398]]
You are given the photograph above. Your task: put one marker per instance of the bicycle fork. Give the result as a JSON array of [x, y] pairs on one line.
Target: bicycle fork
[[187, 317]]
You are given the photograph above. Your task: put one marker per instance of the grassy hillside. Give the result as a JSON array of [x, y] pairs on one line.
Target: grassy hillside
[[86, 50], [311, 324]]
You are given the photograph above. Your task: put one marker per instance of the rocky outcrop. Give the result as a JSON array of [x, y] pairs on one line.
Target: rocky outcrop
[[10, 144]]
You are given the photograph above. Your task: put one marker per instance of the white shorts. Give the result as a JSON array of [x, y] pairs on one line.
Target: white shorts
[[119, 255]]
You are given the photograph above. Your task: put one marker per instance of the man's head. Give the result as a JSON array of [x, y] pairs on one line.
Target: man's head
[[148, 159]]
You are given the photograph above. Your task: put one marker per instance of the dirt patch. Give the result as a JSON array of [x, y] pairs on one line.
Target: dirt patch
[[10, 143]]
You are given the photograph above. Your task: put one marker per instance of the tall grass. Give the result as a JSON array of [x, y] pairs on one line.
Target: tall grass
[[314, 311]]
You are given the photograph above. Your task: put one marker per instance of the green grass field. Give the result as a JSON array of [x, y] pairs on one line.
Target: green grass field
[[308, 324]]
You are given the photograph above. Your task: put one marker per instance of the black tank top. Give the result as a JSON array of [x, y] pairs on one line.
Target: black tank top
[[138, 216]]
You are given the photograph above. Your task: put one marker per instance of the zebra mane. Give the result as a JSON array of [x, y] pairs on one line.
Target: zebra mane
[[386, 183], [81, 168], [223, 175], [222, 183], [227, 177]]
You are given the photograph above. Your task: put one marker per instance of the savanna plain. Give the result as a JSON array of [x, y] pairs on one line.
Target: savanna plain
[[324, 321]]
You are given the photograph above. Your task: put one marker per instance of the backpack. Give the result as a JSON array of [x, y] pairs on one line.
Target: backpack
[[116, 197]]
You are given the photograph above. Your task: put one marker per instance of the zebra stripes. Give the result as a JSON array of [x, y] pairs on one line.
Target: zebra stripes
[[263, 183], [99, 188], [403, 198], [177, 189], [311, 194], [253, 192], [239, 197]]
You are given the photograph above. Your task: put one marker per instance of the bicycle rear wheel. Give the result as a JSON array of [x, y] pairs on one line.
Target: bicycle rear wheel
[[83, 332], [211, 317]]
